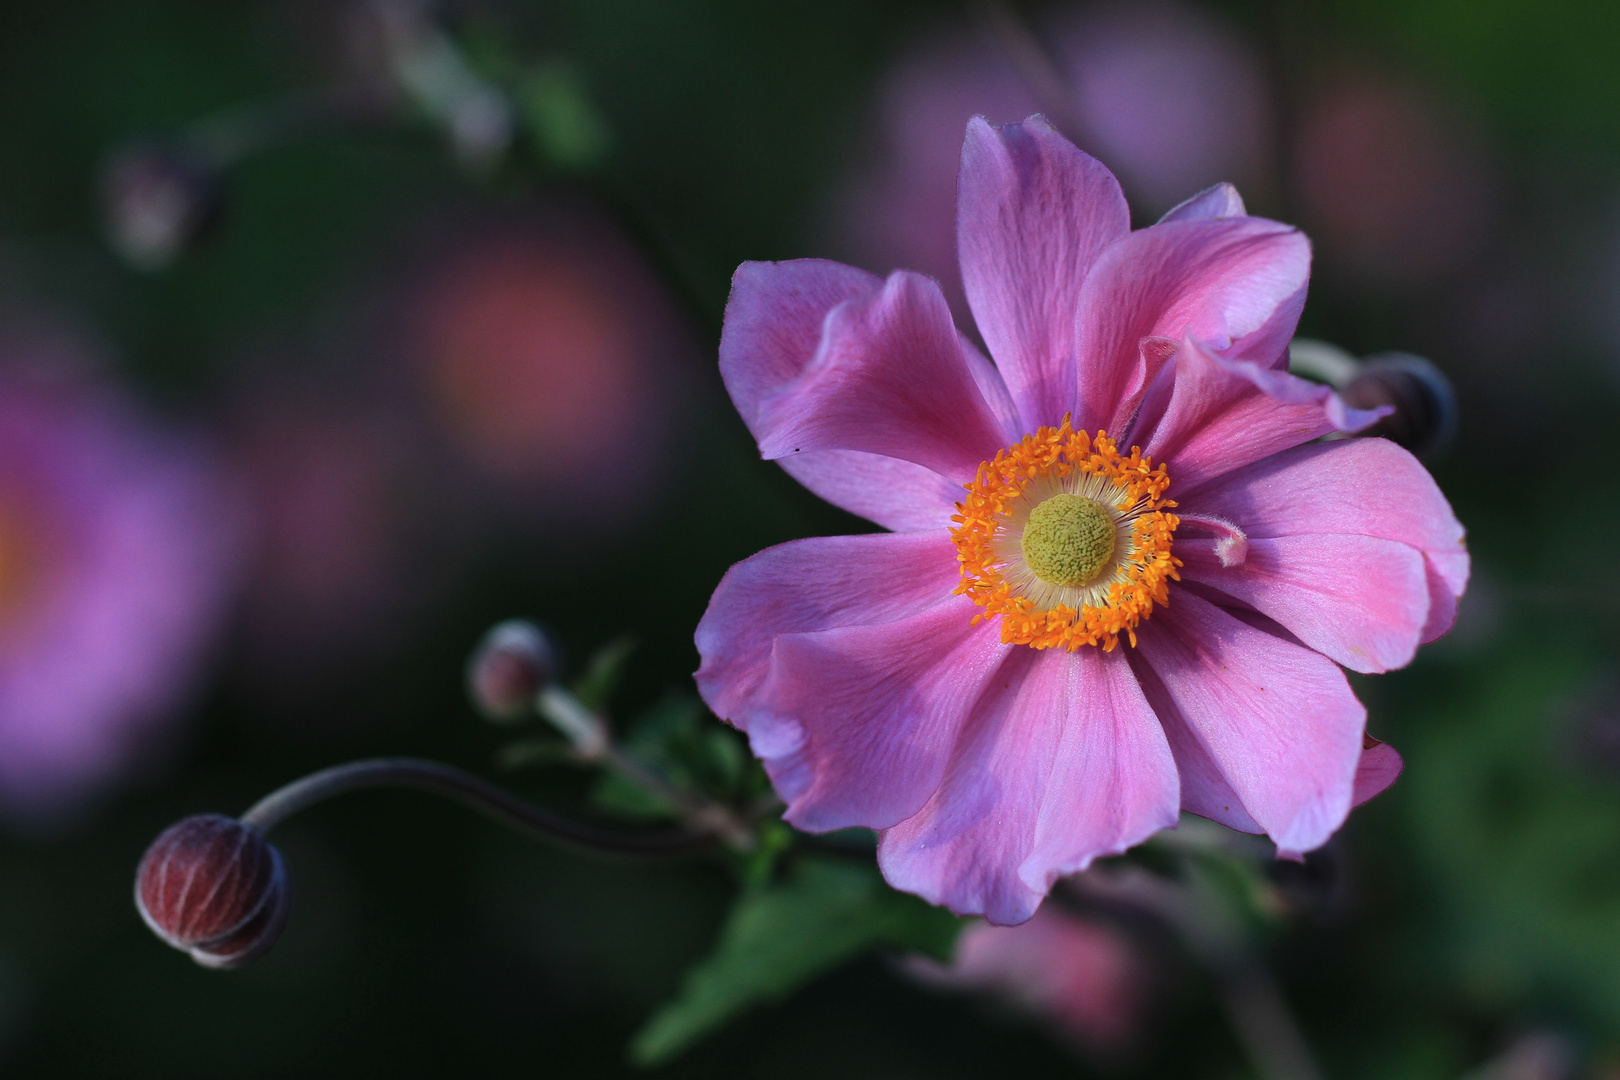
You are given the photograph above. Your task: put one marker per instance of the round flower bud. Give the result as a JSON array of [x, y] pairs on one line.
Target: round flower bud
[[513, 663], [215, 888], [158, 201], [1425, 416]]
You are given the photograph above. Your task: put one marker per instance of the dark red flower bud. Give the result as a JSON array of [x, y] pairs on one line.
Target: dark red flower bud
[[1425, 416], [513, 663], [214, 887]]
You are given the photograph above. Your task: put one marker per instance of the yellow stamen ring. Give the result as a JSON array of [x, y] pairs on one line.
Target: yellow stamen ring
[[1067, 540]]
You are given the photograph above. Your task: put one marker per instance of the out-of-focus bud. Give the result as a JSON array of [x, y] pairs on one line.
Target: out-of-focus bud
[[513, 663], [215, 888], [434, 74], [158, 200], [1425, 416]]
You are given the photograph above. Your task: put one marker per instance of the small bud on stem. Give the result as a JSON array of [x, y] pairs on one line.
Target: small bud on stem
[[215, 888], [510, 667]]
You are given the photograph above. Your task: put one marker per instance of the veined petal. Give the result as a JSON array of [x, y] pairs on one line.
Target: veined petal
[[809, 585], [773, 327], [1448, 577], [890, 377], [1223, 413], [1379, 767], [1063, 761], [1277, 719], [1033, 214], [1214, 280], [1360, 600], [857, 724], [1363, 487], [774, 320], [895, 494]]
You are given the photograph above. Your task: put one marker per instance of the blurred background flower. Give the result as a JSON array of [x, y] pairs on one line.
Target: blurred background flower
[[118, 551], [1084, 977], [549, 360], [1164, 93]]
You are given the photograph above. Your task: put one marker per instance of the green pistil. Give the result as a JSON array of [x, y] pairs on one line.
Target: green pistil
[[1068, 540]]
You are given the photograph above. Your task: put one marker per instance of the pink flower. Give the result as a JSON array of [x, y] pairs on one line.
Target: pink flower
[[117, 552], [1015, 682], [1083, 976]]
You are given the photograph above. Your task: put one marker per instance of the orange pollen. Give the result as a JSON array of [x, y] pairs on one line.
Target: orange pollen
[[1037, 612]]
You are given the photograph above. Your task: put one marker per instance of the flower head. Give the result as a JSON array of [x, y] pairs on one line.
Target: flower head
[[117, 549], [1122, 574]]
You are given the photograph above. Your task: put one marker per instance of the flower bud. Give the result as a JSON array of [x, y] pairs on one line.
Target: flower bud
[[1425, 416], [215, 888], [513, 663], [158, 201]]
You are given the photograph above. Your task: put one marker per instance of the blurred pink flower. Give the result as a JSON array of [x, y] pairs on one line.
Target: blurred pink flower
[[1161, 90], [1396, 188], [1084, 977], [957, 684], [1174, 99], [117, 552], [541, 344], [352, 524]]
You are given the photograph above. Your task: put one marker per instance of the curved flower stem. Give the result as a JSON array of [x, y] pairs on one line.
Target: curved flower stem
[[470, 790]]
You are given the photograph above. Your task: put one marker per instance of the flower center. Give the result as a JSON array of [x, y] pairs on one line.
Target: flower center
[[1068, 540]]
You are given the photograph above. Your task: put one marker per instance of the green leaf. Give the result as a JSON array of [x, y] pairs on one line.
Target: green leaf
[[603, 673], [780, 936], [561, 117], [531, 753], [627, 798]]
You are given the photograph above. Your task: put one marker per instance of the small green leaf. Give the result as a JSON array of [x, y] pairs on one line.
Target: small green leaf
[[626, 798], [530, 753], [780, 936], [775, 838], [565, 124], [603, 673]]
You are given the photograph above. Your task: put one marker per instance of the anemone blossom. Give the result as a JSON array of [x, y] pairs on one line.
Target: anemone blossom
[[1061, 644], [118, 554]]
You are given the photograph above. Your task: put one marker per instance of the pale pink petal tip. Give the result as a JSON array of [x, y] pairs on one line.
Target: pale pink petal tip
[[1380, 765], [1220, 201]]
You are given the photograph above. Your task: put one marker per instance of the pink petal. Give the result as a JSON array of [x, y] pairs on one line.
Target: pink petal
[[1214, 280], [1448, 577], [1379, 767], [1220, 201], [1360, 600], [893, 493], [774, 321], [1278, 720], [1361, 487], [1062, 761], [807, 585], [773, 327], [890, 377], [856, 725], [1224, 413], [1204, 791], [1033, 214]]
